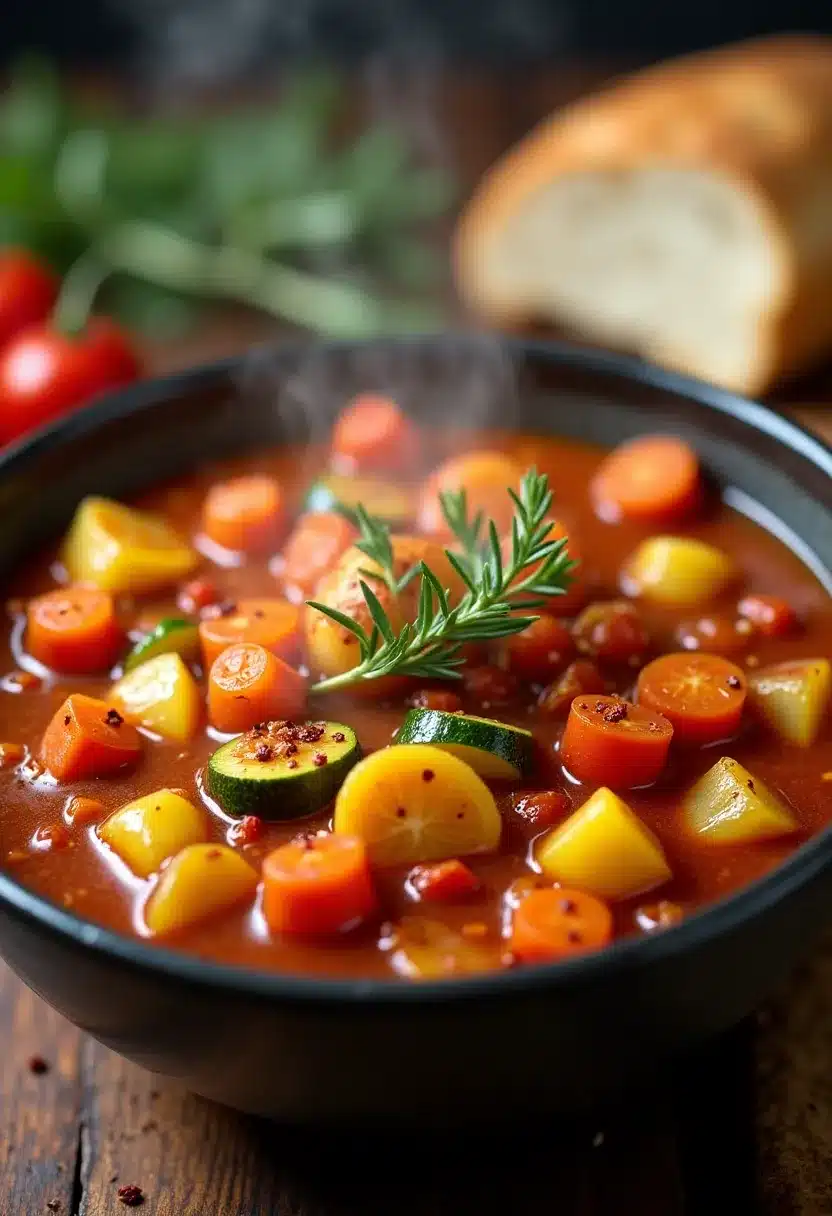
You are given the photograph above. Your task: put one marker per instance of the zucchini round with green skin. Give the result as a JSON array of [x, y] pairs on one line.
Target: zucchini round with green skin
[[493, 749], [171, 636], [383, 499], [282, 770]]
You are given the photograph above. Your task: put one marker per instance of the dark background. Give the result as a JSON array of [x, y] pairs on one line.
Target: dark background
[[232, 37]]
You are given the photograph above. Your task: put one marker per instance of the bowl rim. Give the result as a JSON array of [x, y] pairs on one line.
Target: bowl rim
[[629, 954]]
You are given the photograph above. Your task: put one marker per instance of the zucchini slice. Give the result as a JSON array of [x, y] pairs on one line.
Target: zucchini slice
[[282, 770], [493, 749], [171, 636], [383, 499]]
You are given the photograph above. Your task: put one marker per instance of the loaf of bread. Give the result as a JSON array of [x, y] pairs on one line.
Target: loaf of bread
[[684, 213]]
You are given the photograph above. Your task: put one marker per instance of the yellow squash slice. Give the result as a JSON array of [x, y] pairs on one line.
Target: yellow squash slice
[[124, 551], [162, 695], [144, 833], [199, 882]]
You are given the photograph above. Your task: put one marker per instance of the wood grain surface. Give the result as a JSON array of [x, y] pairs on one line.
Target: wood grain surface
[[745, 1128]]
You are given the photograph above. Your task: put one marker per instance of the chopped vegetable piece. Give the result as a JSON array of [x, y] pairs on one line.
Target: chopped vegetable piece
[[540, 651], [88, 738], [423, 949], [79, 812], [661, 915], [489, 686], [730, 806], [443, 882], [701, 695], [248, 684], [245, 514], [531, 813], [612, 632], [373, 435], [121, 550], [411, 803], [495, 750], [486, 478], [653, 478], [11, 754], [579, 677], [161, 695], [281, 770], [677, 570], [315, 545], [770, 615], [716, 634], [171, 636], [197, 594], [149, 830], [608, 741], [604, 848], [272, 623], [73, 630], [332, 648], [384, 500], [793, 697], [556, 923], [318, 885], [198, 883], [436, 698]]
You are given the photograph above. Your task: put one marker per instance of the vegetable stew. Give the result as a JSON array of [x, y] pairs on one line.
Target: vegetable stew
[[412, 705]]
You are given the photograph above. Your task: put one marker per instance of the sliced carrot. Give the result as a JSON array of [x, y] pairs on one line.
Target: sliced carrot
[[245, 514], [443, 882], [655, 477], [539, 652], [317, 885], [702, 695], [88, 738], [273, 623], [74, 630], [248, 684], [373, 435], [770, 615], [312, 550], [486, 478], [558, 922], [608, 741]]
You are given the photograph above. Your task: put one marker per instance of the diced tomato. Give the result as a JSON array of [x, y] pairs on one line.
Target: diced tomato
[[612, 632], [436, 698], [196, 595], [579, 677], [717, 634], [443, 882], [489, 686], [247, 830], [539, 652], [531, 813], [770, 615]]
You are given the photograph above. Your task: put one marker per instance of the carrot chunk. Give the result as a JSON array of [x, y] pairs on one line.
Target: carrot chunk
[[558, 922], [272, 623], [443, 882], [248, 684], [317, 885], [486, 478], [373, 435], [74, 630], [88, 738], [312, 550], [607, 741], [244, 514], [655, 477]]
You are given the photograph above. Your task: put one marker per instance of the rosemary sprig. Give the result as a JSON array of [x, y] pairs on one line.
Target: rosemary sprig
[[374, 541], [429, 647]]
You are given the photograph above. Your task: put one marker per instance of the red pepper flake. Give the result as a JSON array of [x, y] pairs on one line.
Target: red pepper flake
[[734, 682], [291, 763], [246, 831], [226, 608], [428, 774], [114, 718], [401, 812], [320, 759], [339, 737], [213, 854], [67, 719], [131, 1196], [612, 713], [38, 1065], [263, 753]]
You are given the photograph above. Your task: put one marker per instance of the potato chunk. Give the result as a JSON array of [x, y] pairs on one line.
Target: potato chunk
[[200, 881], [604, 848], [729, 806], [677, 570], [121, 550], [793, 697], [144, 833], [162, 695]]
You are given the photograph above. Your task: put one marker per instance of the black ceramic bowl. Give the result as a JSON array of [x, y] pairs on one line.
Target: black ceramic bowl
[[554, 1036]]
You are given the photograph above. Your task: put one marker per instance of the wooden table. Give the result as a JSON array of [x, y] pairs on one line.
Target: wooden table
[[747, 1127]]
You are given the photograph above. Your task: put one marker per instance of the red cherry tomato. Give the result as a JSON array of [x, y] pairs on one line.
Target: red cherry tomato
[[45, 373], [539, 652], [27, 292]]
